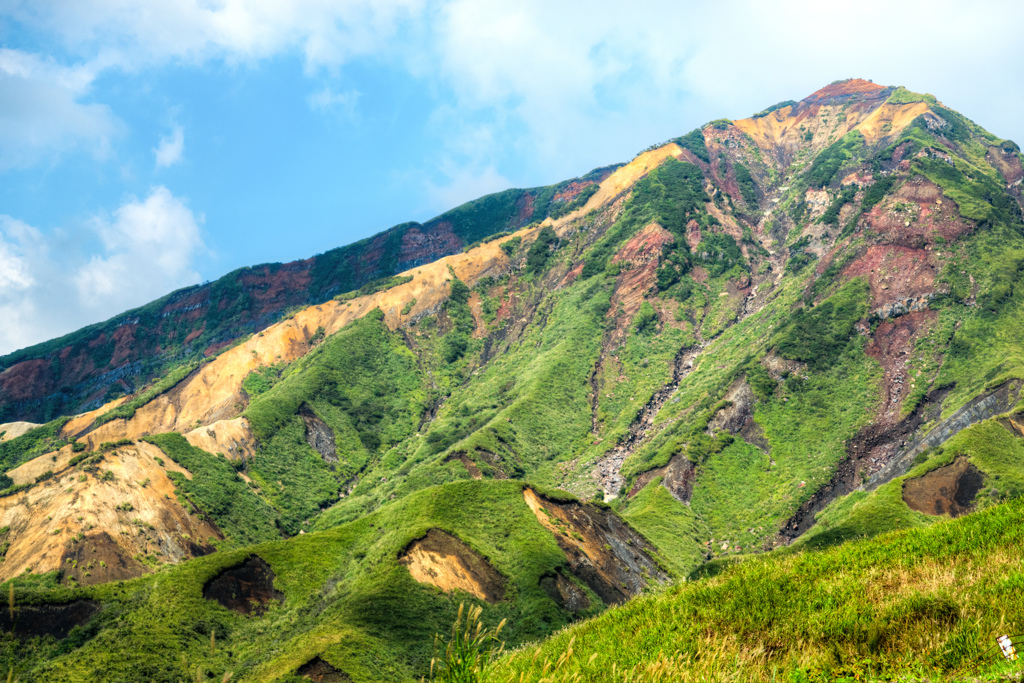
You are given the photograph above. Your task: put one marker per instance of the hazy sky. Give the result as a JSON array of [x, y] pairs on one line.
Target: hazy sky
[[148, 145]]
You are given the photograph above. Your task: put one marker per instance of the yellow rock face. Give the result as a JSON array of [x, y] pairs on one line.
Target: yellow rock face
[[124, 509]]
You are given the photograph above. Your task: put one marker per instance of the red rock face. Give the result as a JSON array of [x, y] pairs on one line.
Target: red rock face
[[572, 190], [894, 273], [22, 381], [639, 259], [524, 210], [892, 345], [854, 86], [423, 245], [915, 215]]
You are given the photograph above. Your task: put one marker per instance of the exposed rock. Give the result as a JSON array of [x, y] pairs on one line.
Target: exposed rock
[[948, 490], [246, 588], [678, 475], [442, 560], [602, 550], [57, 620], [319, 436], [895, 309], [881, 452], [319, 671], [564, 592]]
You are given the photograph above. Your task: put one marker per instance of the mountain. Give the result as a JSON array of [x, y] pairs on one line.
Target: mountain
[[85, 369], [783, 333]]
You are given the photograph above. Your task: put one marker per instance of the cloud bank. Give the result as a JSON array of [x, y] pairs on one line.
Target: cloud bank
[[51, 284]]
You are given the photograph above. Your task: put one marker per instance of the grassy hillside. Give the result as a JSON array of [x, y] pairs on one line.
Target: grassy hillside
[[346, 600], [921, 604]]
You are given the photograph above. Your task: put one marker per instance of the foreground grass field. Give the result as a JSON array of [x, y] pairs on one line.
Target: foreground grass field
[[923, 604]]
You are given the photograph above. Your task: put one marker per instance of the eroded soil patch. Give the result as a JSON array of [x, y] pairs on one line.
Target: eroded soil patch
[[319, 436], [32, 621], [678, 477], [948, 490], [443, 560], [246, 588], [319, 671], [564, 592], [603, 551]]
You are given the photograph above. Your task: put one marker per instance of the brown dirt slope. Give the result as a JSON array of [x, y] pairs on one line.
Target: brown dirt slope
[[444, 561], [602, 550], [118, 509]]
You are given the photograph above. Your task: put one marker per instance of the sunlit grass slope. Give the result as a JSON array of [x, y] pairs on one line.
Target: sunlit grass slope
[[347, 600], [917, 604]]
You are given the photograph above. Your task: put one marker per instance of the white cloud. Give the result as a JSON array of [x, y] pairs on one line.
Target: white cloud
[[41, 113], [171, 148], [328, 32], [50, 285], [149, 247], [327, 100]]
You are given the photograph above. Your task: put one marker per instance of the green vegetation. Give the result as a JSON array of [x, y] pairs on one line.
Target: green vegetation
[[540, 251], [827, 164], [374, 286], [31, 444], [748, 189], [921, 603], [774, 107], [694, 141], [511, 246], [374, 435], [818, 335], [903, 96], [347, 600], [363, 383], [216, 492], [845, 196]]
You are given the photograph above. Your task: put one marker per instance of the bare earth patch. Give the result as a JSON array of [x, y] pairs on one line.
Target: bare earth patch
[[246, 588], [443, 560], [319, 671], [948, 490]]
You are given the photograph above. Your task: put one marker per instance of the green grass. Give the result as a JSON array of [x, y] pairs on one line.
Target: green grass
[[347, 600], [218, 493], [923, 604], [675, 529]]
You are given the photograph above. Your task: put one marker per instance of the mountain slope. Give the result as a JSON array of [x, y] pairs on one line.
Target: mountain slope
[[81, 370], [795, 329]]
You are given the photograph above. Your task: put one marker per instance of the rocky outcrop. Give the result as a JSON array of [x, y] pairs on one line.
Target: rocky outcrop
[[56, 620], [247, 588], [602, 550], [319, 436]]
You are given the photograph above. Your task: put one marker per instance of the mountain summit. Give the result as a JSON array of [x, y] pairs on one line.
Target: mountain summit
[[782, 332]]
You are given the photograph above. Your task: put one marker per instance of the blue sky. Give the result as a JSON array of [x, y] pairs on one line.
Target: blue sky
[[146, 146]]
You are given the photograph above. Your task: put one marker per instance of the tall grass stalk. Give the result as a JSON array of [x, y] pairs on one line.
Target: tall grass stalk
[[469, 650]]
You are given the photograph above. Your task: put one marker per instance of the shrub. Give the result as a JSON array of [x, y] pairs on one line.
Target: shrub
[[540, 251], [646, 320]]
